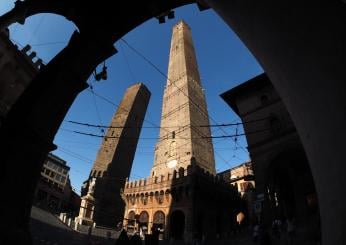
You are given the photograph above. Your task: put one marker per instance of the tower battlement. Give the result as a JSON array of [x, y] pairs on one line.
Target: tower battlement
[[169, 180]]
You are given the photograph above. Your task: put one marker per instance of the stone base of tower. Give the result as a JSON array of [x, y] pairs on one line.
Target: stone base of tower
[[184, 205], [86, 211]]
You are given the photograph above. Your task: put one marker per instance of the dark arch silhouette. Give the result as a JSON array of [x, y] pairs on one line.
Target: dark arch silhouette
[[291, 43], [177, 224]]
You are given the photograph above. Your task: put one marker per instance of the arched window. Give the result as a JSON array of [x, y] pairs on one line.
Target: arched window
[[159, 218], [144, 217], [131, 218], [160, 197], [132, 199], [131, 215], [145, 200]]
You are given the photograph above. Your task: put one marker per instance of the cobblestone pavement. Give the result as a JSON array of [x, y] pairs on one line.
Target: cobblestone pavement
[[239, 239], [47, 229]]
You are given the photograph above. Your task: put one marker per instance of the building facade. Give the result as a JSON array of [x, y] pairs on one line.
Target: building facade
[[182, 197], [241, 176], [17, 69], [284, 184], [54, 190], [101, 193]]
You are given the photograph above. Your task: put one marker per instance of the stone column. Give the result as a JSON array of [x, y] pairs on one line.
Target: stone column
[[27, 133], [304, 56]]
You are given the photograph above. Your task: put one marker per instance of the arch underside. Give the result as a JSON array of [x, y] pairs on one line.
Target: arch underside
[[292, 65]]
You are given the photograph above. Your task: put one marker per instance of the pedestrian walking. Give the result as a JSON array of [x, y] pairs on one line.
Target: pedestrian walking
[[255, 232], [136, 239], [123, 239], [265, 238], [290, 231]]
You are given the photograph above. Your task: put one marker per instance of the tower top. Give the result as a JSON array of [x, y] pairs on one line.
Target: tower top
[[139, 84], [182, 24]]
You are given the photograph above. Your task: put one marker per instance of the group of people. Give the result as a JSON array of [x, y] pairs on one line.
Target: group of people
[[136, 239], [124, 239], [265, 237]]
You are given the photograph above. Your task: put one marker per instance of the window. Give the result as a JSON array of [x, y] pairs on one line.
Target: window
[[173, 135], [145, 200], [244, 186], [57, 177], [50, 164]]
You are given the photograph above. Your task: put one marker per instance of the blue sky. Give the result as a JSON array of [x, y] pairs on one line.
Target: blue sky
[[224, 62]]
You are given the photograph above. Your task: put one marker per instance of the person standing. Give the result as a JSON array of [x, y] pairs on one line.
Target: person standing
[[136, 239], [290, 230], [123, 239], [255, 232]]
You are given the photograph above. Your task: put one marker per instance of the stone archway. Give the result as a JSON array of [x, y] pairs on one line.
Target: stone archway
[[292, 194], [159, 222], [291, 42], [177, 224], [131, 221], [143, 221]]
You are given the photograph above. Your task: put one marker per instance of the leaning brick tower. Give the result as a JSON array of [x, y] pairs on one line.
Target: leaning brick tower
[[101, 197]]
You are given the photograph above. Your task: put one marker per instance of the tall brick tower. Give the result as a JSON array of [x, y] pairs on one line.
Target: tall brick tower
[[183, 110], [101, 198]]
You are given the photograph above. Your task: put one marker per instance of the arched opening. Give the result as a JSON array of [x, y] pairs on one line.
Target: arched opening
[[292, 195], [143, 221], [177, 224], [159, 222], [322, 146], [131, 221]]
